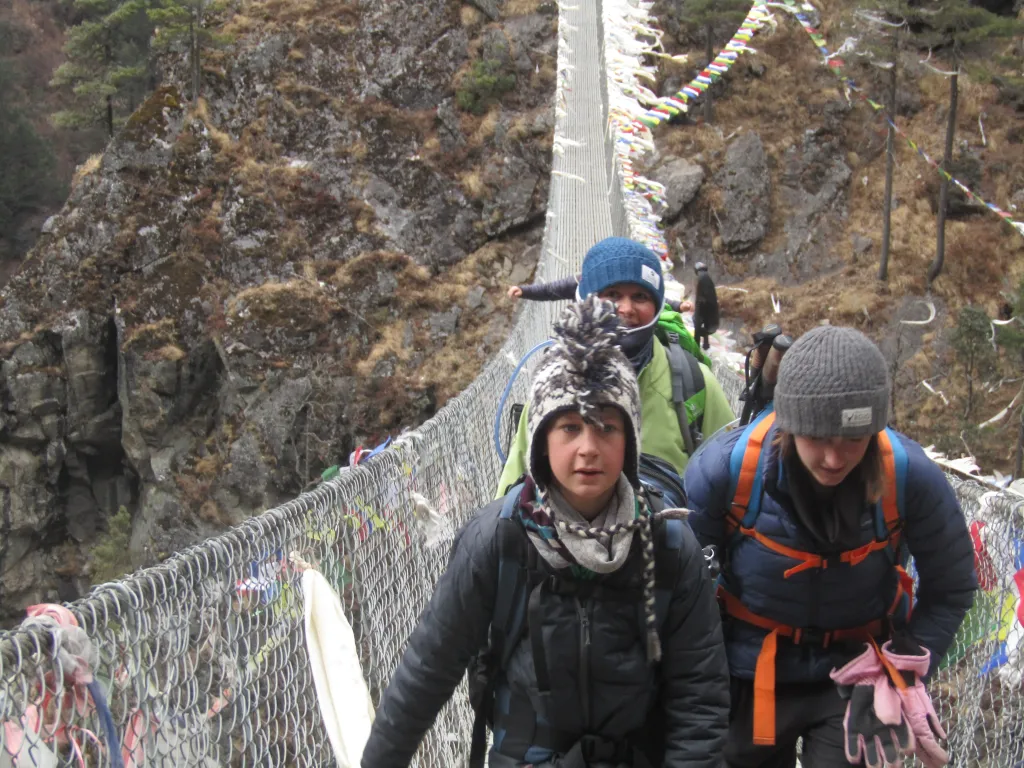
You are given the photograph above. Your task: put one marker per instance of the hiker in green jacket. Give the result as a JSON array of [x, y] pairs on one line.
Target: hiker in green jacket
[[629, 275]]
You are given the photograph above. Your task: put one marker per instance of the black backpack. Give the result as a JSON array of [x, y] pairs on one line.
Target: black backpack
[[660, 478]]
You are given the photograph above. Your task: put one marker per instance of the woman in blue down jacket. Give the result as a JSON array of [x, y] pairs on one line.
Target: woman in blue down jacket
[[812, 510]]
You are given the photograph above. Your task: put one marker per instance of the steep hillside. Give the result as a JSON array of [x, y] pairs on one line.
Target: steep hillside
[[241, 290], [791, 207]]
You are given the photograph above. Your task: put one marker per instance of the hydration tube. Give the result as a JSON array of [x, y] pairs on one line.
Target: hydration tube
[[505, 394]]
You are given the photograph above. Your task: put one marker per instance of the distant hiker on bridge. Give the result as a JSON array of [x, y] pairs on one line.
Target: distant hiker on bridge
[[705, 312], [813, 510], [588, 614], [682, 400]]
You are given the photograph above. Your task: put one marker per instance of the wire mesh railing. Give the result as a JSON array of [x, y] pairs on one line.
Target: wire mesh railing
[[202, 658]]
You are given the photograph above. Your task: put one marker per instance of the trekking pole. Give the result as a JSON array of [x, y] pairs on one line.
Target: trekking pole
[[756, 357], [770, 369], [770, 372]]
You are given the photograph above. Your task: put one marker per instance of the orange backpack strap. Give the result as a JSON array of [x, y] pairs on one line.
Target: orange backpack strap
[[764, 691], [744, 466], [894, 463]]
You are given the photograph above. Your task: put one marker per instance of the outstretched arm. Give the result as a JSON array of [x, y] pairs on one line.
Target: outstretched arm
[[556, 290]]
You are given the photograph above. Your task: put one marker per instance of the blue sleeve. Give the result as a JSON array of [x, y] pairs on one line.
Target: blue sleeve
[[707, 488], [936, 535]]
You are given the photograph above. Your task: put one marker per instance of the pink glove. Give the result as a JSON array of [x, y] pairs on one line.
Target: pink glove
[[875, 729], [917, 705]]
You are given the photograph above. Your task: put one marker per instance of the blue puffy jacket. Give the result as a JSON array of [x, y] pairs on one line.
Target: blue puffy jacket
[[842, 595]]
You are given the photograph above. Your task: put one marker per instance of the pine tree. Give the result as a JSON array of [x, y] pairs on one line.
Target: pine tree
[[971, 340], [1011, 338], [28, 179], [186, 22], [107, 63], [707, 16]]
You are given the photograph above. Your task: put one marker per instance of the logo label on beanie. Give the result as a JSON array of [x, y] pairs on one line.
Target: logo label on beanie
[[650, 276], [856, 417]]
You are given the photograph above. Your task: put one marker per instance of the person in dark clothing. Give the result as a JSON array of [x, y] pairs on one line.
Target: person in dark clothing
[[705, 312], [812, 510], [602, 656]]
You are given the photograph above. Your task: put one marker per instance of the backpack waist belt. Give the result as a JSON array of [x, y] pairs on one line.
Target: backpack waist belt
[[764, 669], [520, 733]]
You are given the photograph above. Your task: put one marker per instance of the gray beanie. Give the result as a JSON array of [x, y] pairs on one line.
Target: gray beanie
[[833, 382]]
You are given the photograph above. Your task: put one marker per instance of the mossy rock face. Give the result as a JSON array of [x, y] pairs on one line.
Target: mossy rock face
[[154, 118]]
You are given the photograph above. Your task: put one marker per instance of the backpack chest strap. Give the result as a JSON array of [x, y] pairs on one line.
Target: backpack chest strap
[[809, 560]]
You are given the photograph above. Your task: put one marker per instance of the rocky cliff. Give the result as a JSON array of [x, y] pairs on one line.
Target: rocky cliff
[[244, 287]]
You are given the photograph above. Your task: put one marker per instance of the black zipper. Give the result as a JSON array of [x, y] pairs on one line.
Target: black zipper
[[584, 615]]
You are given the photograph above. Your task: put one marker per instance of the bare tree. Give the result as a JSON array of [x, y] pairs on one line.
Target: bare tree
[[947, 158]]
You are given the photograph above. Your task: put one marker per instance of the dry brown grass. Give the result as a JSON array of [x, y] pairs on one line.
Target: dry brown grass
[[86, 169], [154, 335], [391, 340], [171, 352], [290, 86], [472, 184], [297, 305], [521, 7], [364, 267], [240, 25], [470, 16], [208, 466], [484, 131]]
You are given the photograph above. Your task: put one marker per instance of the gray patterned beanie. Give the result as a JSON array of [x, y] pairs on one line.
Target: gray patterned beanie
[[833, 382], [583, 371]]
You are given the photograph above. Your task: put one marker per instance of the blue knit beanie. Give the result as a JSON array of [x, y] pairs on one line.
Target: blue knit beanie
[[619, 260]]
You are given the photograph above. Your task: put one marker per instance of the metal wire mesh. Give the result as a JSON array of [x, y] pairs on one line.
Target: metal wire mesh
[[203, 659]]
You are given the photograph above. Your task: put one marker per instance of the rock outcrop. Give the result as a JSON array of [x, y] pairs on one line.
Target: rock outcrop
[[243, 289]]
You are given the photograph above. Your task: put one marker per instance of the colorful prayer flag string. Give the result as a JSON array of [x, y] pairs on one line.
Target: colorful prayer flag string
[[670, 106]]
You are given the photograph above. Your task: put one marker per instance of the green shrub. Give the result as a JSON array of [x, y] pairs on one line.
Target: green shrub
[[110, 556], [485, 83]]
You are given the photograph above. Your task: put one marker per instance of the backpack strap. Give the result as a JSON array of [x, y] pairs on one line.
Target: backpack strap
[[687, 382], [745, 473], [509, 611], [889, 519], [509, 614], [889, 523], [668, 540]]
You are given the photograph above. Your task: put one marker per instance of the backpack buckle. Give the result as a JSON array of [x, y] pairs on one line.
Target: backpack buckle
[[812, 636]]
